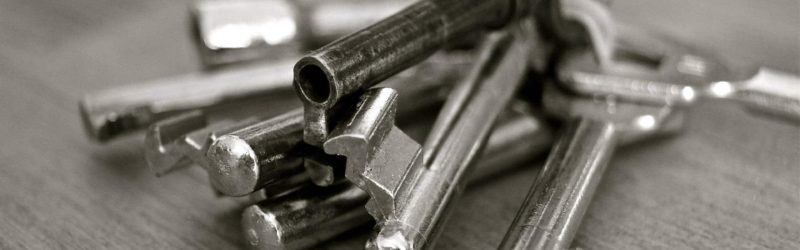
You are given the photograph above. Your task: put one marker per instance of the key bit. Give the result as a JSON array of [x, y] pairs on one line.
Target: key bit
[[409, 198], [236, 157], [365, 58], [658, 69], [561, 193], [182, 140], [234, 31], [116, 111], [314, 215]]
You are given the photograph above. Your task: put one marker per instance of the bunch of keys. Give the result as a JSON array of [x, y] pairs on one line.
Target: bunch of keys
[[340, 161]]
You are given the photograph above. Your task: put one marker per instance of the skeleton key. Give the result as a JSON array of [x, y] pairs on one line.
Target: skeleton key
[[562, 191], [235, 31], [314, 215], [409, 196], [647, 66]]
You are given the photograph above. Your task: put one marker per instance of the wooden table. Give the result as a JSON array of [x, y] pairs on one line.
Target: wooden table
[[731, 180]]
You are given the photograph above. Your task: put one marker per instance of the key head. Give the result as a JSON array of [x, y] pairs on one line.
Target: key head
[[651, 68], [633, 121], [244, 30]]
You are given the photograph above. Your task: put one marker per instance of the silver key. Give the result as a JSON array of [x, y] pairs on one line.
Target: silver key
[[409, 196], [116, 111], [182, 140]]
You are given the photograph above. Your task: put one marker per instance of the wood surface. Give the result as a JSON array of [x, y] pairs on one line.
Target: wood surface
[[730, 181]]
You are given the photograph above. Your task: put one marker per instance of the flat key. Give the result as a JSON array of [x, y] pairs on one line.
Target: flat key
[[121, 110], [658, 69], [243, 161], [561, 193], [409, 198], [235, 31], [313, 215]]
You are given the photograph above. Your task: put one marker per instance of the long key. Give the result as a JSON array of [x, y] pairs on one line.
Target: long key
[[561, 193], [113, 112], [244, 161], [314, 215], [364, 58], [235, 31], [408, 198], [678, 74]]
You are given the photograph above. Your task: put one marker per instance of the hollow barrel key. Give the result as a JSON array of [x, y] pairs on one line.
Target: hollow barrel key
[[561, 193], [410, 195], [358, 61]]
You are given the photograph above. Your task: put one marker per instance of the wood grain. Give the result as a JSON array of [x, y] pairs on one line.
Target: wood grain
[[731, 181]]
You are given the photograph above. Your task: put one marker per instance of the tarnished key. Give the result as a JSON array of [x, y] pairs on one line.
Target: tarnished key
[[233, 31], [116, 111], [561, 193], [314, 215], [646, 67], [409, 195], [244, 161], [364, 58]]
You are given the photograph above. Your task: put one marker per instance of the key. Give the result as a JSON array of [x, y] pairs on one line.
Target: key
[[409, 195], [561, 193], [235, 31], [314, 215], [364, 58], [183, 140], [121, 110], [241, 161], [646, 65]]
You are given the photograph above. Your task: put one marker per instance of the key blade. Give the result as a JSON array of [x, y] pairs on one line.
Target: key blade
[[379, 155], [166, 142]]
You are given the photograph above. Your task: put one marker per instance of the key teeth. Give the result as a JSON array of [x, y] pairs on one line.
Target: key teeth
[[363, 139], [163, 137]]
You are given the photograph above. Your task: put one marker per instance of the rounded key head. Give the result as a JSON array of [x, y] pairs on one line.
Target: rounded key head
[[233, 167], [261, 229]]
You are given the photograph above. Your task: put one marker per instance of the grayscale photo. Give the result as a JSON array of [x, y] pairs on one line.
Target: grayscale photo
[[400, 124]]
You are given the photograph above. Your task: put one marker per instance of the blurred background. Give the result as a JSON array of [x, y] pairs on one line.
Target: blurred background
[[731, 181]]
